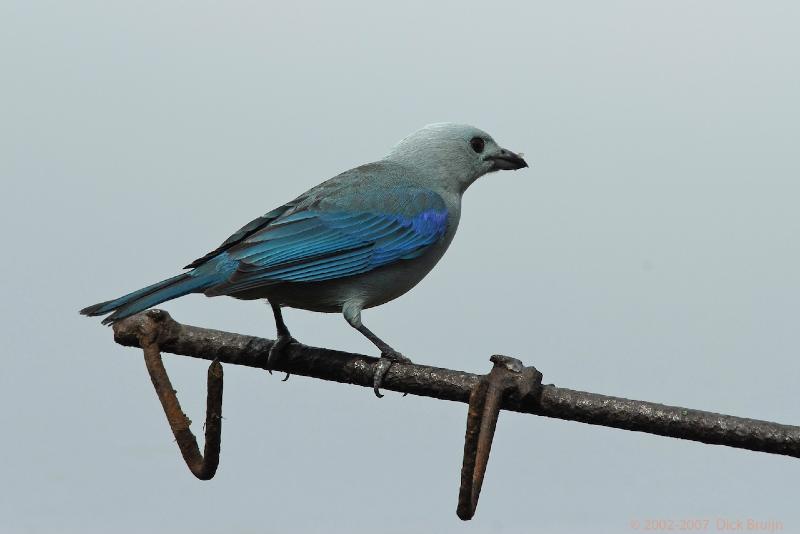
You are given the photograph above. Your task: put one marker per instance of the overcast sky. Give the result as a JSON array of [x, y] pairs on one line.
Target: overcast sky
[[651, 251]]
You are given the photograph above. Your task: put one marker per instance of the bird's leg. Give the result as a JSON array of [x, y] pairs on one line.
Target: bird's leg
[[388, 355], [284, 338]]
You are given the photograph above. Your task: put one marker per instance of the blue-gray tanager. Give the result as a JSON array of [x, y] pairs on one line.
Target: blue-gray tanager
[[356, 241]]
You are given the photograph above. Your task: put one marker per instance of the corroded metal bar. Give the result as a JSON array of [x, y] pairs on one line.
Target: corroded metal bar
[[446, 384], [202, 466], [508, 378]]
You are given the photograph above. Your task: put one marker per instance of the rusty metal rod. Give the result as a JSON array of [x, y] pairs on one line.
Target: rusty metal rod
[[446, 384], [508, 378], [484, 407], [202, 466]]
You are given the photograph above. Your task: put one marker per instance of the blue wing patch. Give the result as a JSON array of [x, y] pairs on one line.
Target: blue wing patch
[[317, 245]]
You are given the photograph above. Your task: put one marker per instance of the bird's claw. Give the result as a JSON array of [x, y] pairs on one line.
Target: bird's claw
[[382, 367], [276, 351]]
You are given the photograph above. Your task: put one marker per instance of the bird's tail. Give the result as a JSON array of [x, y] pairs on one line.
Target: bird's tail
[[149, 296]]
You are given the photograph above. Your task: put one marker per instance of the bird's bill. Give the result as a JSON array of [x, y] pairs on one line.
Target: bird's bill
[[505, 160]]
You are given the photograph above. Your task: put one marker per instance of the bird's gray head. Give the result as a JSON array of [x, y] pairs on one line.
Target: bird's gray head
[[458, 154]]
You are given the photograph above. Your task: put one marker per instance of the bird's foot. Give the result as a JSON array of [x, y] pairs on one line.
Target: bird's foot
[[382, 367], [276, 351]]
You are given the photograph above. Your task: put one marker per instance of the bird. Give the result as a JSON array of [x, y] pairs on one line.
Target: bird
[[353, 242]]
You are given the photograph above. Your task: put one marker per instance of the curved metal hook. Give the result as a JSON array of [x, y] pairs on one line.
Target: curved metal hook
[[202, 466]]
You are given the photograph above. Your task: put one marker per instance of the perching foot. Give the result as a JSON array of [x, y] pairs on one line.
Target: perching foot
[[276, 351], [382, 367]]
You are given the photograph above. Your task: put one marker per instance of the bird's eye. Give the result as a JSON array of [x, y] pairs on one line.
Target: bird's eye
[[477, 144]]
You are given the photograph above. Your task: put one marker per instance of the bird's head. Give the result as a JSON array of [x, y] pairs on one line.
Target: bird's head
[[456, 153]]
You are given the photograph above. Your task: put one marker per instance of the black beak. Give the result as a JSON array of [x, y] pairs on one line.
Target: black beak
[[507, 161]]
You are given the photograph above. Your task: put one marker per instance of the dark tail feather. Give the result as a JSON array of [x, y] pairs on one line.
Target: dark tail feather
[[147, 297]]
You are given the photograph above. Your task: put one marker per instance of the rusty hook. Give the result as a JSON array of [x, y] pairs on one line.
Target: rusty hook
[[508, 378], [203, 467]]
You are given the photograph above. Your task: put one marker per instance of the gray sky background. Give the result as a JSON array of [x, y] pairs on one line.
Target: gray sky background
[[650, 252]]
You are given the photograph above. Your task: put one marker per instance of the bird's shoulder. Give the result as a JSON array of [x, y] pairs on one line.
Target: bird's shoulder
[[382, 186]]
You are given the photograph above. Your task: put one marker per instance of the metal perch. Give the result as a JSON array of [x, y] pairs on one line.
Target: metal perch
[[509, 386], [203, 467]]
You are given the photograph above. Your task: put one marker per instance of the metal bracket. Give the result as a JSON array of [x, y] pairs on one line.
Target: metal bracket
[[508, 380], [202, 466]]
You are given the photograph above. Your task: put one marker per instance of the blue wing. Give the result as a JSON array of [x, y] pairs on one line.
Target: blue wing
[[325, 241]]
